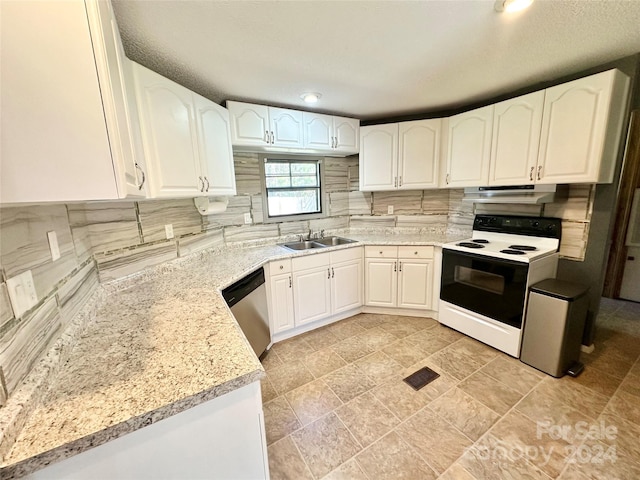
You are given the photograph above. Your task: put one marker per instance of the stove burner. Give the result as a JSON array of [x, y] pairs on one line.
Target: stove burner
[[470, 245], [524, 248], [512, 252], [480, 240]]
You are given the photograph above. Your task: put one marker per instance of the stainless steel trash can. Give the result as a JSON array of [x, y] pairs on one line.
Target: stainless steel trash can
[[556, 313]]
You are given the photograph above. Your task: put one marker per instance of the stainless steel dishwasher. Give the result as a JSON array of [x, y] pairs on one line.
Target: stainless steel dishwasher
[[247, 299]]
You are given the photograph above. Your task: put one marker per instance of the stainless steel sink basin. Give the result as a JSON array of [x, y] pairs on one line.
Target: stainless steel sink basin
[[333, 241], [306, 245], [317, 243]]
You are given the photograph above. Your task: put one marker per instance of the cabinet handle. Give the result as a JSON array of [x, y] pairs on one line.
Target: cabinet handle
[[289, 281], [400, 183], [272, 137], [400, 268], [143, 177], [333, 274], [328, 273], [206, 180], [266, 136], [539, 172], [202, 182], [395, 182], [531, 173], [447, 179], [395, 266]]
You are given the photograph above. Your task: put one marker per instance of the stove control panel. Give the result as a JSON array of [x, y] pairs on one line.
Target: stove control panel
[[548, 227]]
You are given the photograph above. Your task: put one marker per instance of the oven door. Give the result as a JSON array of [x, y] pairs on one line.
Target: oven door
[[493, 287]]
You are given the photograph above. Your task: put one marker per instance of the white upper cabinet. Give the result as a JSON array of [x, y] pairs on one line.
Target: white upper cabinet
[[379, 157], [581, 129], [258, 127], [469, 148], [516, 137], [65, 136], [186, 139], [326, 132], [419, 154]]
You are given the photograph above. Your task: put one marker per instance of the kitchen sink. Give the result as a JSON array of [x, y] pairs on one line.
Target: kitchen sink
[[317, 243], [333, 241]]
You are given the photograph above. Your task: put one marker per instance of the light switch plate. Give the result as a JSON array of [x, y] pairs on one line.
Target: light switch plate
[[22, 293], [390, 209], [247, 218], [168, 229], [53, 245]]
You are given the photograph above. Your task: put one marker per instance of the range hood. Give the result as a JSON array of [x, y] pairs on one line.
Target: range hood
[[523, 194]]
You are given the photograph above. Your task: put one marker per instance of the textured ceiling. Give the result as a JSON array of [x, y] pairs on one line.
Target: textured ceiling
[[372, 59]]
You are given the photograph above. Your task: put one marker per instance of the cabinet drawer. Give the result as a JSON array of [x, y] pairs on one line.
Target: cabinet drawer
[[354, 253], [310, 261], [381, 251], [415, 252], [280, 266]]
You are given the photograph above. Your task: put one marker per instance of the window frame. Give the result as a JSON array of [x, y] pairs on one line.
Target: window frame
[[296, 216]]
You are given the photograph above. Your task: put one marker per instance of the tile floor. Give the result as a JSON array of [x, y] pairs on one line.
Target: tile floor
[[336, 407]]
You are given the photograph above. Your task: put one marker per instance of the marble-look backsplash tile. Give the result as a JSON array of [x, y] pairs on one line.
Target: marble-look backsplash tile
[[181, 214], [508, 209], [125, 262], [573, 243], [422, 221], [435, 202], [247, 170], [578, 204], [246, 233], [6, 312], [360, 203], [293, 228], [75, 292], [202, 241], [338, 204], [336, 177], [234, 215], [331, 223], [369, 221], [404, 203], [110, 225], [257, 211]]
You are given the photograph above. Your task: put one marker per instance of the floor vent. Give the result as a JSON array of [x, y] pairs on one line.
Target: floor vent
[[422, 377]]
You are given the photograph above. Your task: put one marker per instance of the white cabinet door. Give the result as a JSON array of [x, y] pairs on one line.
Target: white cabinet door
[[581, 127], [469, 148], [419, 154], [286, 127], [311, 294], [516, 137], [282, 316], [378, 157], [111, 64], [169, 135], [318, 131], [54, 139], [415, 283], [346, 288], [346, 132], [380, 282], [216, 156], [249, 124]]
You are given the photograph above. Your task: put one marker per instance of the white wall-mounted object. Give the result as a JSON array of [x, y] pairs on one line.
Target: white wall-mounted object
[[53, 245], [210, 206], [22, 293], [65, 136]]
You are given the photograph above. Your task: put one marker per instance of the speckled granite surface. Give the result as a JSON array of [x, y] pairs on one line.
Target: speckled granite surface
[[160, 342]]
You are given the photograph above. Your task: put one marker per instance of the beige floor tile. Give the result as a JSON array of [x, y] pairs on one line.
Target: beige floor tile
[[581, 398], [491, 459], [377, 338], [595, 380], [312, 401], [325, 444], [631, 384], [447, 333], [271, 360], [379, 366], [610, 362], [346, 328], [347, 471], [437, 442], [401, 327], [279, 419], [624, 437], [465, 413], [323, 361], [456, 472], [268, 392], [285, 462], [550, 412], [523, 437], [320, 338], [391, 458], [427, 341], [349, 382], [454, 363], [625, 405], [292, 349], [512, 374], [489, 391], [478, 351], [404, 352], [598, 461], [353, 348], [367, 418], [369, 320], [288, 376], [400, 398]]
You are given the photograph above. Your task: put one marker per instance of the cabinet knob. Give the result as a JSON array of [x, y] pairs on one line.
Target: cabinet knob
[[380, 252], [281, 267], [415, 253]]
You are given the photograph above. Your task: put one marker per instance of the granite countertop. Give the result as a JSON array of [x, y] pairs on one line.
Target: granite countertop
[[161, 342]]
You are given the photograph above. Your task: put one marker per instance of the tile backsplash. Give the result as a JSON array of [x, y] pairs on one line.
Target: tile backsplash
[[107, 240]]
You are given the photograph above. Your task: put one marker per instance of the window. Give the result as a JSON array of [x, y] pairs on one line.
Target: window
[[292, 188]]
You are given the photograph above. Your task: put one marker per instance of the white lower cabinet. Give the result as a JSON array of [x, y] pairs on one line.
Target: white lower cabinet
[[313, 288], [399, 277]]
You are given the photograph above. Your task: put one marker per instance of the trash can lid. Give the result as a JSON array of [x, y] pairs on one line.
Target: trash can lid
[[562, 289]]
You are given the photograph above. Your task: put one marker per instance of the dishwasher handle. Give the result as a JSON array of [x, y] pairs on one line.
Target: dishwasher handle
[[243, 287]]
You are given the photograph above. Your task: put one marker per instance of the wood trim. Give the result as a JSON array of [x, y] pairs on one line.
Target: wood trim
[[629, 181]]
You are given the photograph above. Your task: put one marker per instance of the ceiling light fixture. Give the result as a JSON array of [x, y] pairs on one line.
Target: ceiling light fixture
[[511, 5], [311, 97]]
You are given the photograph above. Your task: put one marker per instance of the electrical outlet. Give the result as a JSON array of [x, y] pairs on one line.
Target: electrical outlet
[[247, 218], [22, 293], [168, 229], [53, 245], [390, 209]]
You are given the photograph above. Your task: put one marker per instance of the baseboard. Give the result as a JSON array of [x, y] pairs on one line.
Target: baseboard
[[407, 312], [587, 348]]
